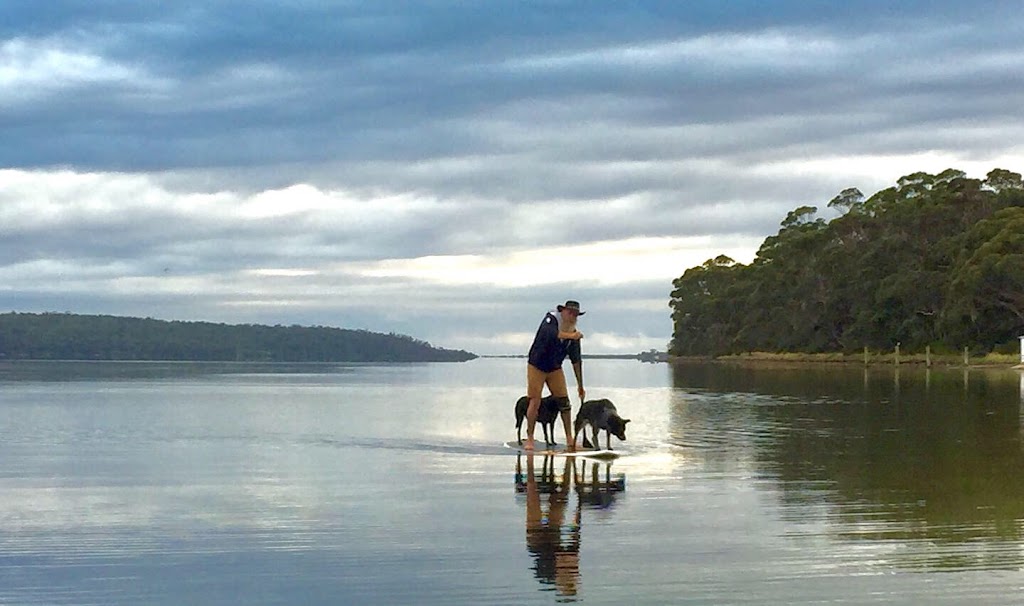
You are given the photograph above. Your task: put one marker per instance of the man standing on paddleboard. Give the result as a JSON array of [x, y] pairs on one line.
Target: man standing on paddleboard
[[556, 338]]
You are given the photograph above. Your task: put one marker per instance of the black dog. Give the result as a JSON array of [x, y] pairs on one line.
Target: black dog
[[546, 415], [599, 414]]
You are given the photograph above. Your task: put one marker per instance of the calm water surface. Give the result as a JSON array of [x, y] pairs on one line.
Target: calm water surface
[[272, 484]]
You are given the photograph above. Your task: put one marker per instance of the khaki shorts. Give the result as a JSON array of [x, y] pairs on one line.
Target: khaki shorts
[[536, 379]]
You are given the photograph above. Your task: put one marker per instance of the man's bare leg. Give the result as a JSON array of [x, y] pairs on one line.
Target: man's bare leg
[[570, 438], [531, 422]]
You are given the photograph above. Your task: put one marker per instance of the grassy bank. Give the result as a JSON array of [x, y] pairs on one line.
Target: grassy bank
[[873, 358]]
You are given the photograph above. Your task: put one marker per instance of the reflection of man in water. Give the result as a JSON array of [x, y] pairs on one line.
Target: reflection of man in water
[[556, 548]]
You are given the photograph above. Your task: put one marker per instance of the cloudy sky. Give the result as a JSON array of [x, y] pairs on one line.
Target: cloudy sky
[[451, 170]]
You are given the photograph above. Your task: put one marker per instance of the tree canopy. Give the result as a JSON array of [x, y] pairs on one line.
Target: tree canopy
[[935, 260], [63, 336]]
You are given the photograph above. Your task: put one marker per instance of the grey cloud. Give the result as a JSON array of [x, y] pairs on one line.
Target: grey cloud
[[347, 93]]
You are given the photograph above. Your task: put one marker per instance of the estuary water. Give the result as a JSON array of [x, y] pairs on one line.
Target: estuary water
[[154, 483]]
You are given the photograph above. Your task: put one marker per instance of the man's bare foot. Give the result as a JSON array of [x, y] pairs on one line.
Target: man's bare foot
[[571, 446], [528, 444]]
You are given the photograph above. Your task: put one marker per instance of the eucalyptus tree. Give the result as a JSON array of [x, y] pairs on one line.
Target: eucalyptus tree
[[986, 296], [933, 260]]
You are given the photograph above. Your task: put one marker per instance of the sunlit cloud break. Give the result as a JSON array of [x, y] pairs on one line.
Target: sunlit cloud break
[[616, 262]]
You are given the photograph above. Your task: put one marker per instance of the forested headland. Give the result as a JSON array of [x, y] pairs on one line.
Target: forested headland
[[935, 261], [64, 336]]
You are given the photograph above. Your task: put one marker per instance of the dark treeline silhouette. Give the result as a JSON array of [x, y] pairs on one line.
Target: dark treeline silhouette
[[64, 336], [936, 260]]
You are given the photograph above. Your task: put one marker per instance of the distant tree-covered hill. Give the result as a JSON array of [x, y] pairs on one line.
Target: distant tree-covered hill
[[936, 260], [63, 336]]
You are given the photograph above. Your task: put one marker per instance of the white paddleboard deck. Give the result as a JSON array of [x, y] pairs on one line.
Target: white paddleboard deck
[[560, 451]]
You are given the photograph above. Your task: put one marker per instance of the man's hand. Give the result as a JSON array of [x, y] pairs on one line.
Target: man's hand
[[582, 392]]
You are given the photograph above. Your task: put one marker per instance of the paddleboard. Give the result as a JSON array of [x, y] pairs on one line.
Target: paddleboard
[[560, 451]]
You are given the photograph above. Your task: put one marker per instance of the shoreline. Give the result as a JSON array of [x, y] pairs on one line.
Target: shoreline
[[1003, 361]]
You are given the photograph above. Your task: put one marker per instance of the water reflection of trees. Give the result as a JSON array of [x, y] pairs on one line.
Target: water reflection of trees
[[554, 525], [929, 462]]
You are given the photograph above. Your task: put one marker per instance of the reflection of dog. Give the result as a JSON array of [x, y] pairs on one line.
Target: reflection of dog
[[546, 415], [598, 492], [599, 414]]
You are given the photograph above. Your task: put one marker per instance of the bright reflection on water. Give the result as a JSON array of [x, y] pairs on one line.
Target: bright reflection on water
[[309, 484]]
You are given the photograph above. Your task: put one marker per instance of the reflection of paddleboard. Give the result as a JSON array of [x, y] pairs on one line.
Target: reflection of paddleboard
[[562, 452]]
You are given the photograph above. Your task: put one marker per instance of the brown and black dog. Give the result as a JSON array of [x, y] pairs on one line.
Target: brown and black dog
[[546, 415]]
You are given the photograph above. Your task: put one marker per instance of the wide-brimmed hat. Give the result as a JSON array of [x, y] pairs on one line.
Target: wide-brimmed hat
[[574, 305]]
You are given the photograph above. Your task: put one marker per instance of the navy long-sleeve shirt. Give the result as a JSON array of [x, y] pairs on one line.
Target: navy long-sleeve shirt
[[548, 351]]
